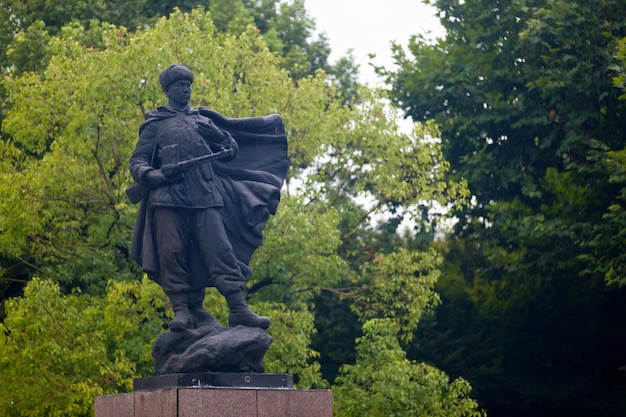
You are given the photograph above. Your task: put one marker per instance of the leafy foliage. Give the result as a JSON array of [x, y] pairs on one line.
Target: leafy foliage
[[400, 288], [526, 94], [286, 26], [536, 105], [59, 351], [385, 383], [291, 350], [67, 136]]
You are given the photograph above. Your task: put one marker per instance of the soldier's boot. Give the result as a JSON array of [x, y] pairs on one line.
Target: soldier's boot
[[240, 313], [182, 318], [200, 316]]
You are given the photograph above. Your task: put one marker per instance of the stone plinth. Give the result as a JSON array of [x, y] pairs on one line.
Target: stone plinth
[[214, 380], [217, 402]]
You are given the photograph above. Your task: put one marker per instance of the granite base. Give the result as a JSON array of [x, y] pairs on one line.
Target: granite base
[[216, 402]]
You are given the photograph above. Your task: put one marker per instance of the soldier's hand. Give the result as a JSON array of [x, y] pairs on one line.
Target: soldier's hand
[[210, 132], [155, 178]]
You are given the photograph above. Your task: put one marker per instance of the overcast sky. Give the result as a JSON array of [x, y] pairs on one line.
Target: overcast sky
[[369, 26]]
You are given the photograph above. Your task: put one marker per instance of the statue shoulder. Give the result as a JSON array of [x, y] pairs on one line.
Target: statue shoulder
[[154, 116]]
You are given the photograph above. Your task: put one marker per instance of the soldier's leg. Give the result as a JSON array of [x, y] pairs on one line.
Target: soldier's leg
[[218, 251], [200, 316], [172, 235]]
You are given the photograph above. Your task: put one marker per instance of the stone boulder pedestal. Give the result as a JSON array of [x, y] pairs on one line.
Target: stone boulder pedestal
[[212, 348], [214, 371]]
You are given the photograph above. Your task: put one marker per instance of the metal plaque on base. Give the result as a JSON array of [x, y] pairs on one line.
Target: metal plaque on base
[[214, 380]]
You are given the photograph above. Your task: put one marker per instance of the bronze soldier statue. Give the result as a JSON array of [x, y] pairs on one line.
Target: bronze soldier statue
[[199, 226]]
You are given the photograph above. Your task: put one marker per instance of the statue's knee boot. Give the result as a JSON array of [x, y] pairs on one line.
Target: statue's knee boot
[[200, 316], [240, 313], [182, 316]]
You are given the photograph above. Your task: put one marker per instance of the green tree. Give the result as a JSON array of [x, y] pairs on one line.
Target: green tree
[[66, 141], [384, 383], [27, 25], [524, 95], [57, 352], [607, 244], [524, 98]]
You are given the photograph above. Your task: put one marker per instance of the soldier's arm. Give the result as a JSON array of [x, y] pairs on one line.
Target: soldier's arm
[[143, 155]]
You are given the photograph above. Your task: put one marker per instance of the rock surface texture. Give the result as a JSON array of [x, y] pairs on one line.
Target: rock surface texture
[[211, 348]]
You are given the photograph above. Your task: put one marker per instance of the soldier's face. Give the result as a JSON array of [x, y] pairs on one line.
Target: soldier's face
[[179, 93]]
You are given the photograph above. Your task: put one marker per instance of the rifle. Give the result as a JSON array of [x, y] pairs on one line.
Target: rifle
[[139, 190]]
